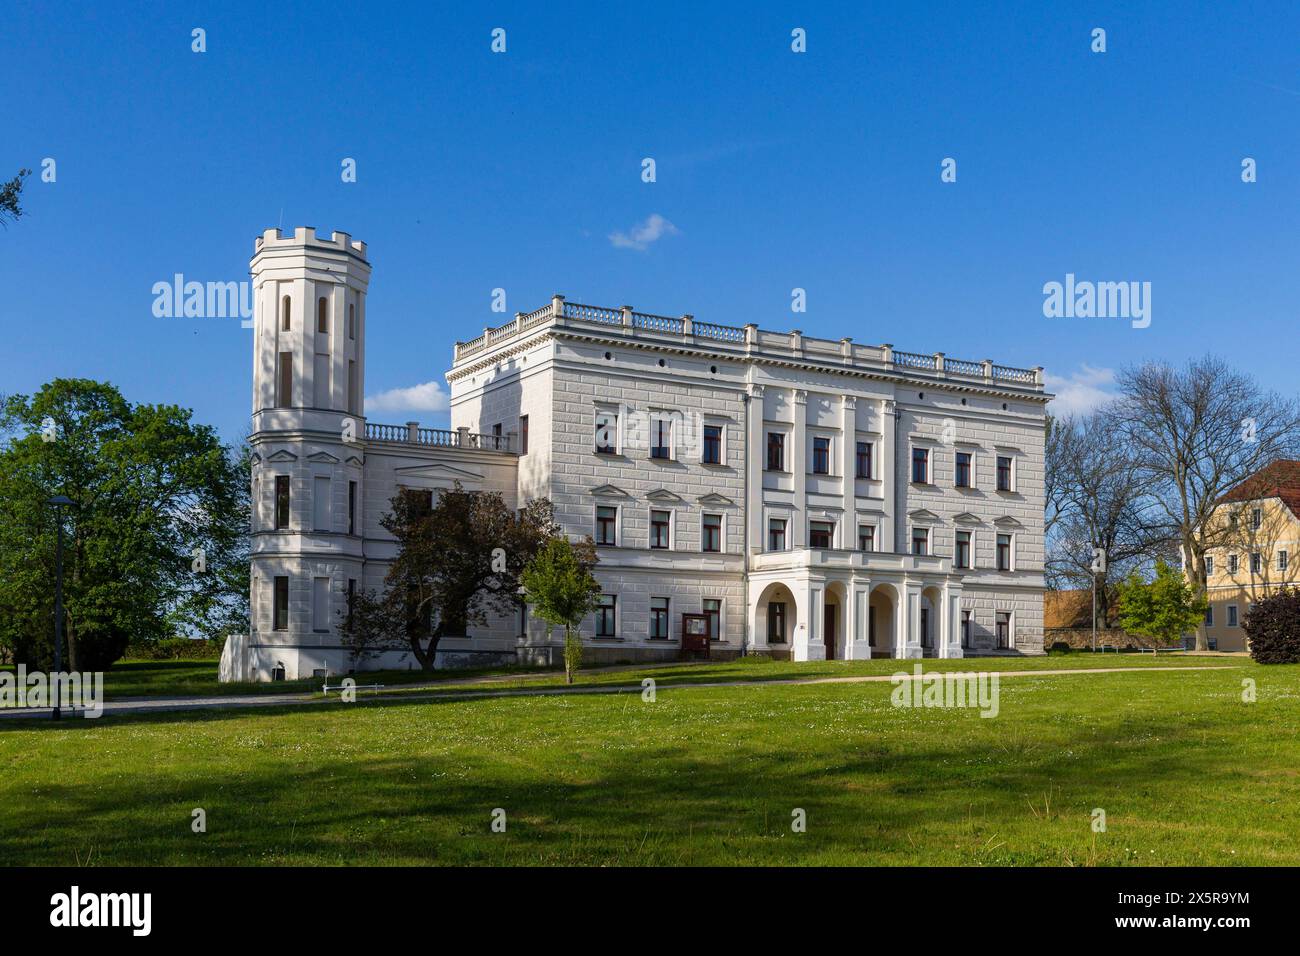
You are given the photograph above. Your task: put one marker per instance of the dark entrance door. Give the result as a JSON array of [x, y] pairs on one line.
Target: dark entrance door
[[925, 627], [828, 631]]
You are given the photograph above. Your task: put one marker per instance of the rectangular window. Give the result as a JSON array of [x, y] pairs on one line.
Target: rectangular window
[[659, 522], [713, 611], [281, 599], [1004, 629], [821, 456], [1209, 615], [776, 622], [1256, 519], [1254, 562], [352, 507], [921, 466], [962, 558], [659, 618], [1232, 615], [352, 387], [1232, 564], [322, 316], [965, 629], [820, 534], [1004, 473], [1209, 566], [661, 438], [962, 479], [320, 604], [712, 540], [866, 537], [320, 504], [920, 540], [712, 445], [320, 381], [284, 388], [776, 534], [281, 502], [775, 451], [352, 320], [606, 616], [523, 434], [1281, 560], [1004, 552], [864, 459], [606, 525], [606, 433]]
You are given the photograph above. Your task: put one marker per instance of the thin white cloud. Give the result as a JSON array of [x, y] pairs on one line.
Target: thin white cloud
[[1080, 392], [640, 236], [425, 397]]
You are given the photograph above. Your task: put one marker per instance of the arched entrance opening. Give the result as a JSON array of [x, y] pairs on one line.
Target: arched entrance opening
[[833, 621], [881, 608], [931, 623], [775, 617]]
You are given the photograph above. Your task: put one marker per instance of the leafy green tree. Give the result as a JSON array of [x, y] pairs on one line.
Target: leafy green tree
[[558, 583], [459, 558], [11, 196], [1163, 609], [154, 542]]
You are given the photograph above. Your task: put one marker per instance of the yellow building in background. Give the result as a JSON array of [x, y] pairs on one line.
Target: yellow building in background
[[1257, 537]]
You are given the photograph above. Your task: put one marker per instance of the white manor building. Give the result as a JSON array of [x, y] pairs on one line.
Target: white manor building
[[815, 498]]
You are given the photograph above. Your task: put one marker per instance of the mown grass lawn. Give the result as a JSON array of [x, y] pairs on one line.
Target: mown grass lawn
[[1186, 772]]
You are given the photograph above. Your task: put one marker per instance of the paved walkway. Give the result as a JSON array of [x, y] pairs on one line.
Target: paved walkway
[[148, 705]]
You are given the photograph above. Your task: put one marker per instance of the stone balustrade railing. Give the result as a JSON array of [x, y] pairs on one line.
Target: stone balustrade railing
[[752, 340], [411, 433]]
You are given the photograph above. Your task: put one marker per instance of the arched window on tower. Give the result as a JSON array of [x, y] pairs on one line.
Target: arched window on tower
[[322, 315], [284, 313]]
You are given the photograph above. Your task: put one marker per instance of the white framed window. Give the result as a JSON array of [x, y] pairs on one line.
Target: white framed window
[[823, 454], [1232, 564], [713, 442], [1005, 471], [320, 503], [320, 604], [821, 534], [1256, 519], [866, 537], [1281, 560], [660, 619], [1232, 615], [1209, 565], [606, 525], [607, 439], [663, 436], [1256, 562], [661, 529], [1005, 551], [712, 609], [920, 540], [713, 533], [777, 539], [1209, 615], [1005, 631], [607, 616]]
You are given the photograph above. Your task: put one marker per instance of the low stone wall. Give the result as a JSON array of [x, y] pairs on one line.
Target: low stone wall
[[1080, 638]]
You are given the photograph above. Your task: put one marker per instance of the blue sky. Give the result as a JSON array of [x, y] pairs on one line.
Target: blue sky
[[776, 170]]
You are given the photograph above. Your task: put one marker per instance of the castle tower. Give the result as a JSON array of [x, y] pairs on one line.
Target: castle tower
[[307, 447]]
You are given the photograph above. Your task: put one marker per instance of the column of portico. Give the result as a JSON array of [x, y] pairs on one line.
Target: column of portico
[[888, 466], [755, 449], [799, 468], [809, 643], [857, 636], [908, 638], [950, 635]]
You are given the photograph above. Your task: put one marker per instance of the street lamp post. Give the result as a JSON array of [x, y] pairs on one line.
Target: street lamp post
[[58, 501]]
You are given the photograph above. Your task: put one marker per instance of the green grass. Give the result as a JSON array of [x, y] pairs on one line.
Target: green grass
[[1186, 772]]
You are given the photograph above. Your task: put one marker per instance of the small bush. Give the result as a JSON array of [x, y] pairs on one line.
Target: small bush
[[175, 649], [1273, 628], [1059, 647]]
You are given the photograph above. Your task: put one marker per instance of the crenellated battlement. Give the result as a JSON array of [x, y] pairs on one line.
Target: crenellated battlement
[[307, 236]]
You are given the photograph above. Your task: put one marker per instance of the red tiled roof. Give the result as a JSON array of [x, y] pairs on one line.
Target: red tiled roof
[[1280, 479]]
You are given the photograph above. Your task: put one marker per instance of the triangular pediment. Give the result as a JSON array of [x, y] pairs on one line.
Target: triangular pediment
[[354, 460], [323, 457], [282, 455], [609, 491], [663, 494], [1006, 521], [967, 518], [438, 469], [921, 514], [716, 500]]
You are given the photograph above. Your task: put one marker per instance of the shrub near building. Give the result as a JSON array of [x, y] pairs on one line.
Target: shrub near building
[[1273, 628]]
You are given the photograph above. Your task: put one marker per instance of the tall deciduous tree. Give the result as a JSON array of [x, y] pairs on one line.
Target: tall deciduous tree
[[11, 194], [155, 536], [1195, 432], [459, 557], [562, 590]]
